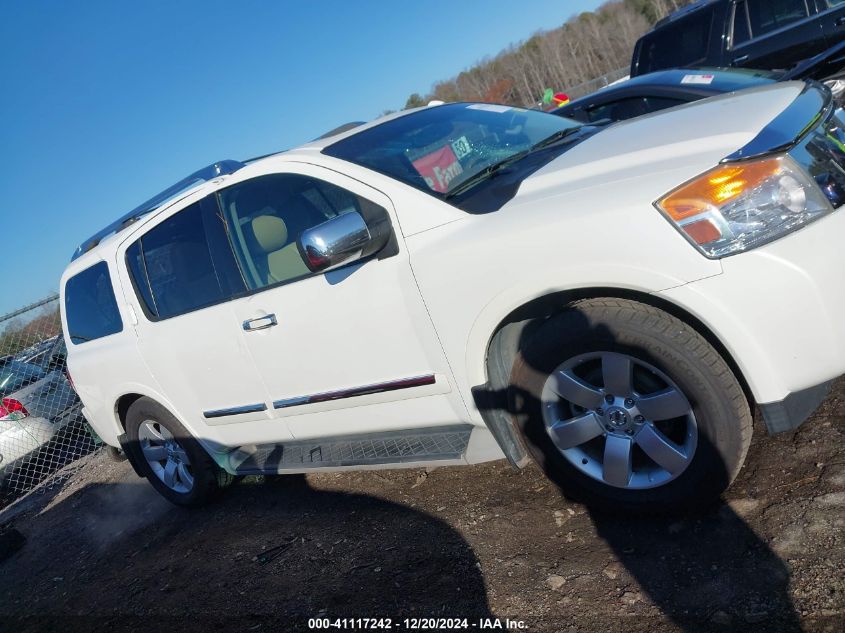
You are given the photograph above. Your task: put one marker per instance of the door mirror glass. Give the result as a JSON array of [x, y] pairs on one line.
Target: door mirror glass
[[338, 241]]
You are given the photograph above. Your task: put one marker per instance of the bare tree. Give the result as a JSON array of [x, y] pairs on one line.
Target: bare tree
[[587, 46]]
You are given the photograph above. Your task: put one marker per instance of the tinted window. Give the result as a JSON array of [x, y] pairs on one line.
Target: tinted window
[[655, 104], [15, 375], [681, 43], [619, 110], [90, 306], [769, 15], [741, 31], [267, 215], [173, 260]]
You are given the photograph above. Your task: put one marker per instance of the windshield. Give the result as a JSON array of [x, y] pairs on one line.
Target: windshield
[[437, 149], [15, 375]]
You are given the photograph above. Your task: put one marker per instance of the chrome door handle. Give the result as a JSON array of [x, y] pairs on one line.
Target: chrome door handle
[[840, 21], [260, 323], [739, 60]]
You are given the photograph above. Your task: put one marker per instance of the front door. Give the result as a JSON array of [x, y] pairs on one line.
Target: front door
[[349, 351]]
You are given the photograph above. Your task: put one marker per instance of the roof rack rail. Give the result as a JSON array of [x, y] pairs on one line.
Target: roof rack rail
[[205, 174], [341, 129]]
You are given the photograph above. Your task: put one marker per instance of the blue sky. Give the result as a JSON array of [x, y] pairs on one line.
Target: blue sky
[[105, 103]]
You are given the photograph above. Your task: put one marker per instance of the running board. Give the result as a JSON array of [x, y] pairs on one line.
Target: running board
[[393, 447]]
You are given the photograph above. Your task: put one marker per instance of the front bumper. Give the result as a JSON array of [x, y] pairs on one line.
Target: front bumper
[[778, 310]]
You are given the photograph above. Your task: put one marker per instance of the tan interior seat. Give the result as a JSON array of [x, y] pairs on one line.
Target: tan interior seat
[[283, 259]]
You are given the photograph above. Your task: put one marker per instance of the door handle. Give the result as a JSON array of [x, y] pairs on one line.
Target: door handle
[[840, 21], [260, 323], [739, 60]]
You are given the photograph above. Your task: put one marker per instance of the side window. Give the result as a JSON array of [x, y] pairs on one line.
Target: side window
[[175, 270], [619, 110], [769, 15], [682, 43], [741, 28], [267, 215], [90, 306], [829, 4], [655, 104]]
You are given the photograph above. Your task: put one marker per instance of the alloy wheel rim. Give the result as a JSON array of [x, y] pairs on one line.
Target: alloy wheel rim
[[619, 420], [166, 456]]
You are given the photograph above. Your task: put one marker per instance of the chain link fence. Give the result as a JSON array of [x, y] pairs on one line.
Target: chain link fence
[[42, 429]]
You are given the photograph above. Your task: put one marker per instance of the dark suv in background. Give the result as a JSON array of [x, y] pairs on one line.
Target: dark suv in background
[[768, 34]]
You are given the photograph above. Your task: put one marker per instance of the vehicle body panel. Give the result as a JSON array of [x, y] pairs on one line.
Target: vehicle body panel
[[585, 220]]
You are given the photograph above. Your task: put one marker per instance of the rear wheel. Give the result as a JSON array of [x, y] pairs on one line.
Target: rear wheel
[[626, 407], [170, 458]]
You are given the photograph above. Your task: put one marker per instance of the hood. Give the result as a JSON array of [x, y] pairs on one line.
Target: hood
[[663, 150]]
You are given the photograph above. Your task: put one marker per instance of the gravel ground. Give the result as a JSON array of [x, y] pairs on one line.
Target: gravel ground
[[107, 553]]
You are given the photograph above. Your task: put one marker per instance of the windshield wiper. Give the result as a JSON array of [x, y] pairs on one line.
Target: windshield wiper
[[491, 170], [486, 173], [554, 138]]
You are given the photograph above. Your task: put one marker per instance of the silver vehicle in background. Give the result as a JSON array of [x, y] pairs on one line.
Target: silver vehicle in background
[[37, 401]]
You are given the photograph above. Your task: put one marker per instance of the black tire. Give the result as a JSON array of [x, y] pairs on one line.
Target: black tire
[[721, 410], [208, 477]]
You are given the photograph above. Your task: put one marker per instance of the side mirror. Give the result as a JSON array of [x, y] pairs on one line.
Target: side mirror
[[341, 240]]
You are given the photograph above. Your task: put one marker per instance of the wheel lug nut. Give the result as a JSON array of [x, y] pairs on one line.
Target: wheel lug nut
[[629, 402], [639, 419], [600, 411], [608, 399]]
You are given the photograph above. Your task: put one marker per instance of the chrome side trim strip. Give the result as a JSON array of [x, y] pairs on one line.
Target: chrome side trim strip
[[248, 408], [790, 126], [380, 387]]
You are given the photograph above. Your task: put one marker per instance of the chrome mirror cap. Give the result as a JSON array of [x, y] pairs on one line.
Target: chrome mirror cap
[[335, 242]]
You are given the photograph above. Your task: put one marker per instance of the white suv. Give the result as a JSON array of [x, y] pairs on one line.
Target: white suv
[[467, 282]]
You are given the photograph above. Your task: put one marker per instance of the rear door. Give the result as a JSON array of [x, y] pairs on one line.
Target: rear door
[[832, 19], [774, 34], [183, 275]]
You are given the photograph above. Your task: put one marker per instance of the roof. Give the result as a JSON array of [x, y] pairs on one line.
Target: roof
[[188, 185], [172, 193]]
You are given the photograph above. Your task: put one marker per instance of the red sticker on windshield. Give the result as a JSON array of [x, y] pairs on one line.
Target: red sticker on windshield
[[439, 168]]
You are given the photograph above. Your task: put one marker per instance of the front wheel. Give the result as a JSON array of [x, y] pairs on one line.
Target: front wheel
[[626, 407]]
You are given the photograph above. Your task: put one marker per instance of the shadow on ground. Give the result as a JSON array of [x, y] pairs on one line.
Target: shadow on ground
[[267, 557]]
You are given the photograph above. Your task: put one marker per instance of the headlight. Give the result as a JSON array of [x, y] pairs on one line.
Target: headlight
[[739, 206]]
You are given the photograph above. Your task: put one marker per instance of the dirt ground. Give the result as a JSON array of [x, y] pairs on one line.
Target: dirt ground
[[106, 553]]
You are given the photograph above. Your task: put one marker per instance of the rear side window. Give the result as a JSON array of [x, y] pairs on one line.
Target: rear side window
[[90, 307], [770, 15], [678, 44], [174, 269]]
